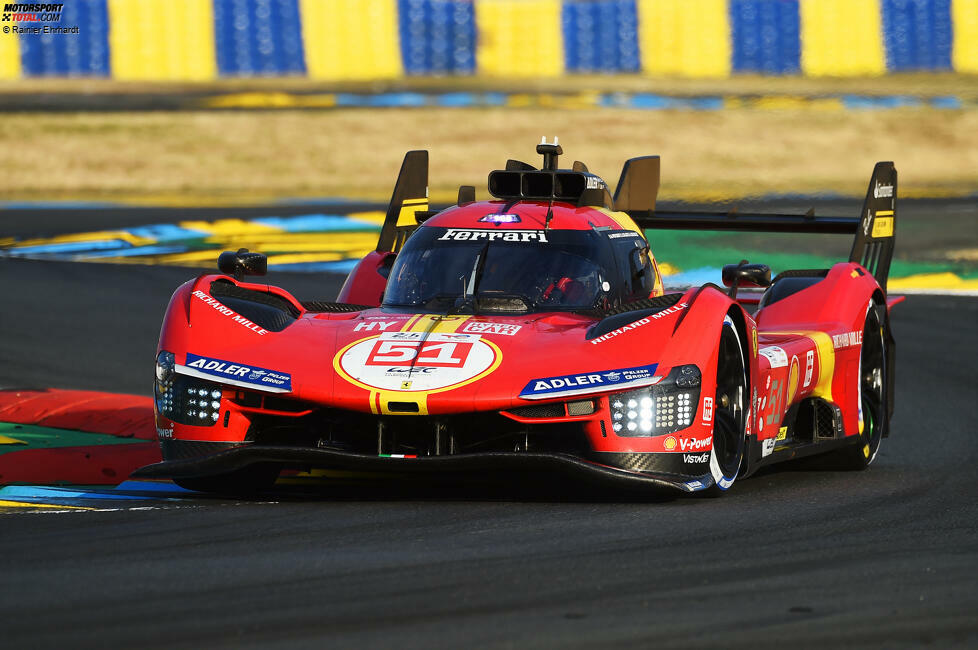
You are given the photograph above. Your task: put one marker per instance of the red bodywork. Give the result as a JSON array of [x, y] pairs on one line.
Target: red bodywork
[[806, 345]]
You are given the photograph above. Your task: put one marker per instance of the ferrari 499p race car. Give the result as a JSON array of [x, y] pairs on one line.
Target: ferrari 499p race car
[[532, 333]]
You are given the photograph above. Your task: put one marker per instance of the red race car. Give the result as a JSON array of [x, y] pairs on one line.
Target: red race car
[[532, 333]]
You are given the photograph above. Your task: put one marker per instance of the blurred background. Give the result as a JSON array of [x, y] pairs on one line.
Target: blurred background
[[197, 104]]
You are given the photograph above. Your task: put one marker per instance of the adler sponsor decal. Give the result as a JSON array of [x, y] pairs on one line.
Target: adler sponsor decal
[[470, 234], [639, 323], [809, 367], [230, 313], [237, 373], [590, 382]]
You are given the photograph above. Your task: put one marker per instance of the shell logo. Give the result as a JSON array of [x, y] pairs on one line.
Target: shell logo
[[669, 443]]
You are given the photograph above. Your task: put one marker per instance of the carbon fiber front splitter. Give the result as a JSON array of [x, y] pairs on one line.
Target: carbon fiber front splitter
[[468, 465]]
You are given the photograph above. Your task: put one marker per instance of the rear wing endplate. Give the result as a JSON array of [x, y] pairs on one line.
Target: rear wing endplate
[[410, 196]]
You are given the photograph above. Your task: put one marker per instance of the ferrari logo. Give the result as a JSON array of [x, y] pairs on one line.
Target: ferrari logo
[[406, 385]]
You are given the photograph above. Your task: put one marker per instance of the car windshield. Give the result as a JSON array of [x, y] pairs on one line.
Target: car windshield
[[455, 269]]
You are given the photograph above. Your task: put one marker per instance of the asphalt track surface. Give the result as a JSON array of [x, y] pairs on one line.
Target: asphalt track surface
[[799, 555]]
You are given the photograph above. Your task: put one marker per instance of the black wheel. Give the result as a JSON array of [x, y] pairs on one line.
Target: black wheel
[[248, 480], [729, 411], [873, 418]]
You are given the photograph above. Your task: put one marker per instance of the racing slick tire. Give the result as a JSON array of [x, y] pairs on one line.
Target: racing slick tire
[[872, 391], [729, 411], [247, 480]]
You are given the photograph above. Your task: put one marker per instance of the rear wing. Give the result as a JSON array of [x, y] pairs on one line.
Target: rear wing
[[638, 186], [874, 229]]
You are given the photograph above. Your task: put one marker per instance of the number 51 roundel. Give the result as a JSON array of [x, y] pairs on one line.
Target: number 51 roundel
[[432, 362]]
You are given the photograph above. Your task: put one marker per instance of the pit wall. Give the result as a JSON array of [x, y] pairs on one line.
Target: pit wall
[[335, 40]]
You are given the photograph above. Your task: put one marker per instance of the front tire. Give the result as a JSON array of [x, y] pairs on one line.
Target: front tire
[[729, 411]]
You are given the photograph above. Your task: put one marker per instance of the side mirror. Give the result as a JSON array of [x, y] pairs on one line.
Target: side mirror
[[745, 275], [242, 263]]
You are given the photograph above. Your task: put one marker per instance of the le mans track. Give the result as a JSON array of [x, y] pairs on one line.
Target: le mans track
[[882, 558]]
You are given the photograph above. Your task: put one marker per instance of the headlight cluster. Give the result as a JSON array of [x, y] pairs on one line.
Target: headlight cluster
[[663, 408], [186, 400]]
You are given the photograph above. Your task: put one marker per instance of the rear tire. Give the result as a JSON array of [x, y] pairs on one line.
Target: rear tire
[[729, 411], [247, 480], [872, 392]]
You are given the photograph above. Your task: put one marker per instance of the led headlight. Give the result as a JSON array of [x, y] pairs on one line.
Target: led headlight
[[183, 399], [165, 366], [663, 408]]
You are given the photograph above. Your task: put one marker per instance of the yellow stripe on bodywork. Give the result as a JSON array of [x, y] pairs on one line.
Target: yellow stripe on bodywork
[[351, 39], [687, 38], [841, 38], [385, 397], [435, 324], [9, 56], [622, 219], [406, 216], [826, 359], [7, 440], [519, 38], [964, 53], [169, 40]]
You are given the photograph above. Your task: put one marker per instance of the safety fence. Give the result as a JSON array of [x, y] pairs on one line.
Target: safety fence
[[187, 40]]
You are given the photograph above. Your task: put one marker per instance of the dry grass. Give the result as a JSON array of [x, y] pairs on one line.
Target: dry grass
[[261, 154]]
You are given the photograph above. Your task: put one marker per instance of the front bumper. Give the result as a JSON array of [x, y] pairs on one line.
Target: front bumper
[[469, 466]]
